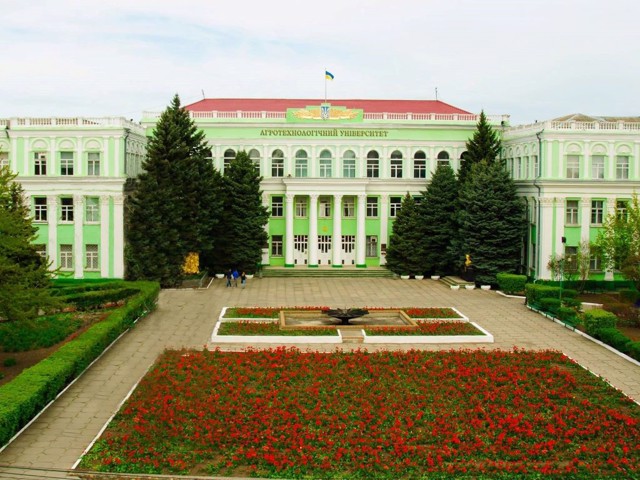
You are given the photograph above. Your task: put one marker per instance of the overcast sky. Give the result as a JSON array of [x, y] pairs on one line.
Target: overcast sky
[[534, 60]]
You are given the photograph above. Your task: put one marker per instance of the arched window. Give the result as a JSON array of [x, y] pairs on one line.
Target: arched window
[[349, 164], [277, 163], [419, 165], [229, 155], [373, 164], [396, 164], [302, 163], [254, 155], [443, 159], [325, 164]]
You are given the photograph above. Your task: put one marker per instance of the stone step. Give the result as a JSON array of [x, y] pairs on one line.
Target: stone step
[[351, 335], [371, 272], [452, 280]]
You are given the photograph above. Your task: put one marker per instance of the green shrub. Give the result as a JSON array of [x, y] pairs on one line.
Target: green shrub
[[597, 319], [572, 302], [511, 283], [568, 315], [40, 332], [535, 292], [550, 305], [71, 289], [569, 293], [630, 295], [94, 299], [614, 338], [9, 362], [633, 350]]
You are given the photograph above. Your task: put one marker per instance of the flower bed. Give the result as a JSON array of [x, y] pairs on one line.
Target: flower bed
[[432, 328], [270, 328], [273, 312], [385, 415], [432, 312]]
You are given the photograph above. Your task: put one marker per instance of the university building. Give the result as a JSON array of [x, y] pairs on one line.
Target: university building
[[334, 175]]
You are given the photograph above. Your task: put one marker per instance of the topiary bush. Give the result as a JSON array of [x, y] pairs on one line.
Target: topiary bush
[[550, 305], [535, 293], [597, 319], [511, 283]]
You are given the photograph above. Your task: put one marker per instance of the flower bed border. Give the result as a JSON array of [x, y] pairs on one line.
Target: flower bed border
[[486, 338]]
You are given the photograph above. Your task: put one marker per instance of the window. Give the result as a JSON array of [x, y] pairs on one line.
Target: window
[[536, 166], [622, 209], [4, 160], [395, 203], [573, 166], [595, 261], [349, 164], [372, 206], [301, 163], [277, 163], [516, 167], [571, 257], [443, 159], [229, 155], [524, 172], [66, 257], [276, 245], [372, 246], [301, 207], [277, 206], [597, 212], [396, 164], [325, 207], [40, 209], [40, 163], [325, 164], [373, 164], [91, 257], [93, 164], [571, 217], [348, 207], [622, 167], [420, 165], [597, 167], [66, 163], [254, 155], [66, 209], [41, 249], [92, 209]]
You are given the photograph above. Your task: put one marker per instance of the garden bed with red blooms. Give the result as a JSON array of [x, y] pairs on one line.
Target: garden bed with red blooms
[[385, 415], [262, 312], [431, 312], [252, 327], [431, 328]]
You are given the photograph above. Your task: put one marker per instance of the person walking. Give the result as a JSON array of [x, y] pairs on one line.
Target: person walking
[[235, 277], [229, 275], [243, 279]]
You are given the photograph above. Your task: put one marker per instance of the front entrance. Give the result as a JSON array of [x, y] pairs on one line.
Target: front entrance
[[300, 249], [348, 249], [324, 249]]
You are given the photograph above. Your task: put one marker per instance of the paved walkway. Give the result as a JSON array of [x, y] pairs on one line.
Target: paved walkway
[[185, 318]]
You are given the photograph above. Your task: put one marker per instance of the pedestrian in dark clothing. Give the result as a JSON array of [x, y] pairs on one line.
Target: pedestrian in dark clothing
[[235, 278], [229, 276], [243, 279]]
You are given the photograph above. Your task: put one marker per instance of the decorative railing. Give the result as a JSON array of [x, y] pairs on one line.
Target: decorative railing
[[578, 126], [97, 122]]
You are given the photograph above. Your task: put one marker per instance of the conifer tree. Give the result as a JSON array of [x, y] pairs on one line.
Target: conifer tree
[[437, 223], [174, 207], [484, 145], [403, 252], [24, 276], [240, 235], [492, 223]]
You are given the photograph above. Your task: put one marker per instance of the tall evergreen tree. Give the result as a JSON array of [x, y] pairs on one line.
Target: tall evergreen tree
[[403, 252], [174, 208], [492, 222], [24, 276], [240, 235], [437, 223], [484, 145]]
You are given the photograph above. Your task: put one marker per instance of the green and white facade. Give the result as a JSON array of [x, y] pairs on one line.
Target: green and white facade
[[334, 175]]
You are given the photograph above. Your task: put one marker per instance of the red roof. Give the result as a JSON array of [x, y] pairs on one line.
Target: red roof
[[281, 105]]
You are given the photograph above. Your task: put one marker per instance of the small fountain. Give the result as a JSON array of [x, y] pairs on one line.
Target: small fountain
[[345, 314]]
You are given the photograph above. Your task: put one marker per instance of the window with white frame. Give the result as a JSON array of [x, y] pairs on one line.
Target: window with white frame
[[536, 166], [443, 159], [40, 209], [66, 209], [41, 249], [277, 163], [373, 164], [395, 203], [302, 164], [419, 165], [91, 257], [349, 164], [597, 212], [276, 246], [325, 164], [93, 164], [348, 207], [573, 166], [229, 155], [396, 164], [524, 172], [571, 214], [254, 155], [371, 249], [66, 163], [597, 167], [622, 167], [570, 258], [372, 207], [325, 207], [516, 167], [301, 207], [66, 256], [92, 209], [39, 163], [595, 261], [622, 209], [4, 160], [277, 206]]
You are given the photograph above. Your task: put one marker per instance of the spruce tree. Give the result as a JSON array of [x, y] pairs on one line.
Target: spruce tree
[[484, 145], [492, 223], [25, 280], [241, 234], [403, 252], [174, 208], [437, 223]]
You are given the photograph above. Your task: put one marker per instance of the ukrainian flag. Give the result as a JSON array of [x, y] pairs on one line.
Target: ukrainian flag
[[328, 75]]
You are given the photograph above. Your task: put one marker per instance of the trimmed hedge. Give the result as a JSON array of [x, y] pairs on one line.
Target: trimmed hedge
[[511, 283], [22, 398], [551, 305], [70, 289], [40, 332], [88, 300], [598, 319], [591, 286], [535, 292], [630, 295]]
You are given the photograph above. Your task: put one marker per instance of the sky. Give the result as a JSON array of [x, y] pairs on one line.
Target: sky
[[534, 60]]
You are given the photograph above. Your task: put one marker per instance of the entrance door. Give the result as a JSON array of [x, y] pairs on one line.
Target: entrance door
[[348, 249], [324, 249], [300, 248]]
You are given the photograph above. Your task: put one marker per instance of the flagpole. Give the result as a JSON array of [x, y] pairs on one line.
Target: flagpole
[[325, 84]]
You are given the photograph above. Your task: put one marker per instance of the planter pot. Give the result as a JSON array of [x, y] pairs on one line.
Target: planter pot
[[404, 277], [455, 287], [419, 277], [249, 276], [485, 287], [435, 277], [469, 287], [219, 275]]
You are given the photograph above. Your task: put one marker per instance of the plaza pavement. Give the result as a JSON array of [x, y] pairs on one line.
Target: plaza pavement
[[185, 319]]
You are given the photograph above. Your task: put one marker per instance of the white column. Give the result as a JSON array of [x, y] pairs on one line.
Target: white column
[[585, 218], [288, 241], [104, 236], [80, 166], [360, 231], [336, 246], [546, 239], [52, 221], [116, 155], [13, 157], [384, 224], [118, 236], [106, 164], [313, 230], [78, 237], [561, 207], [610, 209]]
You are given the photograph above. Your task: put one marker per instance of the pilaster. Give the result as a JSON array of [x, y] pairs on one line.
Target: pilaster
[[78, 237], [52, 221], [336, 247], [545, 246], [288, 241], [118, 236], [313, 230], [384, 224], [105, 259], [360, 231]]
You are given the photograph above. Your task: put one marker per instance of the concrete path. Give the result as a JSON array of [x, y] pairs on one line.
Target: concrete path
[[185, 319]]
